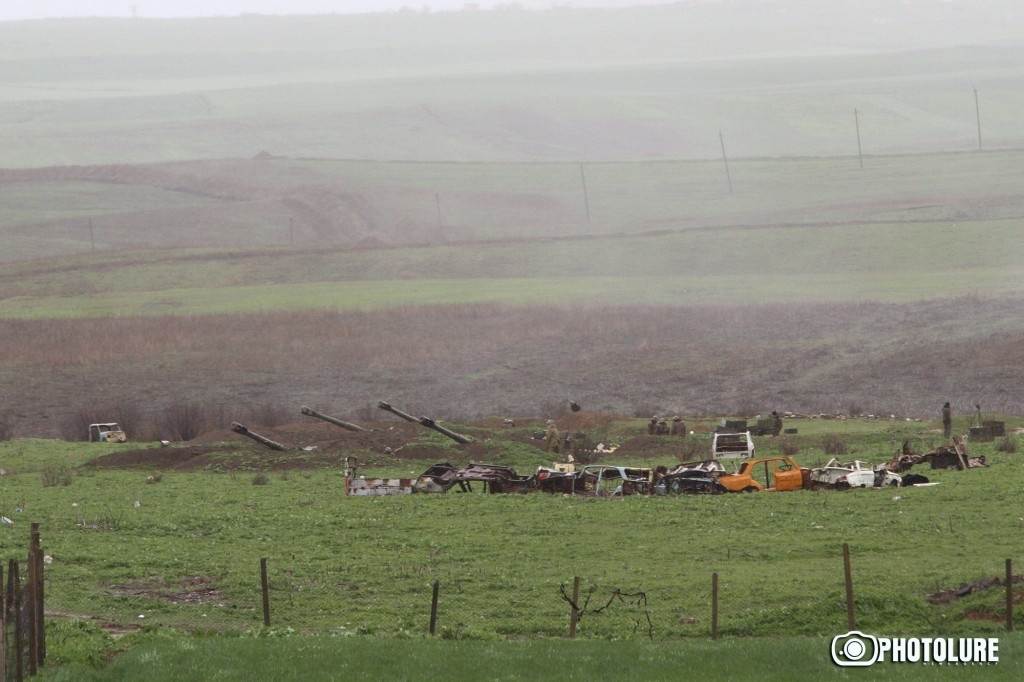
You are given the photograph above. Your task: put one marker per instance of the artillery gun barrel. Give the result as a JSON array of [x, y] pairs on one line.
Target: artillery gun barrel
[[337, 422], [425, 421], [431, 424], [387, 408], [273, 445]]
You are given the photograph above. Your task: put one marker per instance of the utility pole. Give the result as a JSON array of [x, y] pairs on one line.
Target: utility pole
[[586, 197], [977, 116], [725, 160], [860, 154]]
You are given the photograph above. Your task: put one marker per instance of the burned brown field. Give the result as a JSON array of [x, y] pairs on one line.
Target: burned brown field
[[468, 362]]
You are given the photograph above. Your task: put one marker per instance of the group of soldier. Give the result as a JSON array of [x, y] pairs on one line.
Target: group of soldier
[[660, 426], [674, 426], [657, 426]]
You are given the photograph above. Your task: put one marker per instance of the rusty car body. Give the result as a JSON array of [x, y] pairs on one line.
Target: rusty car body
[[855, 474], [363, 486], [692, 477], [609, 480], [767, 473]]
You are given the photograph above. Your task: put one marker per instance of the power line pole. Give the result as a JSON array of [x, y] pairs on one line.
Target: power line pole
[[860, 154], [977, 116], [586, 197], [725, 160]]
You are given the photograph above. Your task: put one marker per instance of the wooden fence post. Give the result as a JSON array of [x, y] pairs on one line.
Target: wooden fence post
[[574, 616], [266, 591], [9, 612], [3, 627], [433, 606], [1009, 595], [714, 605], [33, 600], [19, 633], [851, 620], [40, 599]]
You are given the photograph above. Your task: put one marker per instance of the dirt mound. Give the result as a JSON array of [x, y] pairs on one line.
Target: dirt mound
[[155, 458], [308, 446], [322, 437]]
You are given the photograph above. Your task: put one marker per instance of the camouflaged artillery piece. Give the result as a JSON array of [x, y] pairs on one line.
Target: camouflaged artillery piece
[[241, 429], [348, 426], [425, 421]]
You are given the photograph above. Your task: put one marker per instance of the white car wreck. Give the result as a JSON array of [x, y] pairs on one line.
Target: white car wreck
[[855, 474]]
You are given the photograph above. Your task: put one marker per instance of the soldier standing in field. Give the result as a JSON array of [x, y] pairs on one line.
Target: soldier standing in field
[[551, 436], [661, 428], [947, 420], [678, 428], [776, 423]]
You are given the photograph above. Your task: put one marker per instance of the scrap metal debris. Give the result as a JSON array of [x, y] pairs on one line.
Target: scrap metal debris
[[944, 457], [947, 596], [693, 477]]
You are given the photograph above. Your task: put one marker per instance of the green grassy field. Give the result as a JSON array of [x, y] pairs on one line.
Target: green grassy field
[[754, 265], [931, 207], [186, 555], [317, 658]]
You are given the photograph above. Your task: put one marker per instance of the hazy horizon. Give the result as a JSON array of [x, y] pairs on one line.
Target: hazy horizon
[[52, 9]]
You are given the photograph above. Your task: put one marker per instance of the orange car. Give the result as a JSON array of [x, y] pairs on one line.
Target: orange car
[[767, 473]]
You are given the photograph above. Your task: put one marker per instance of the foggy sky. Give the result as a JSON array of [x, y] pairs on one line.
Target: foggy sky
[[43, 9]]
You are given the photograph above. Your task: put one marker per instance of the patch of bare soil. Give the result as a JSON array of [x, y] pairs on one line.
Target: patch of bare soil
[[196, 590], [157, 458], [112, 628], [649, 446], [978, 615]]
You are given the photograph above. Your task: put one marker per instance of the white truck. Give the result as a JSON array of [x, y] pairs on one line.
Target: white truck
[[732, 445], [110, 432]]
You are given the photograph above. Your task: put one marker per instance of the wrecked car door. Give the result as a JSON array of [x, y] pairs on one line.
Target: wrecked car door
[[787, 475]]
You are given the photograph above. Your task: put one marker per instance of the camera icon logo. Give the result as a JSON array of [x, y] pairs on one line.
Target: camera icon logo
[[854, 649]]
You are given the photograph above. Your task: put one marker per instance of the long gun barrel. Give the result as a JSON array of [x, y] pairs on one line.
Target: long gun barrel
[[337, 422], [457, 437], [425, 421], [407, 417], [273, 445]]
